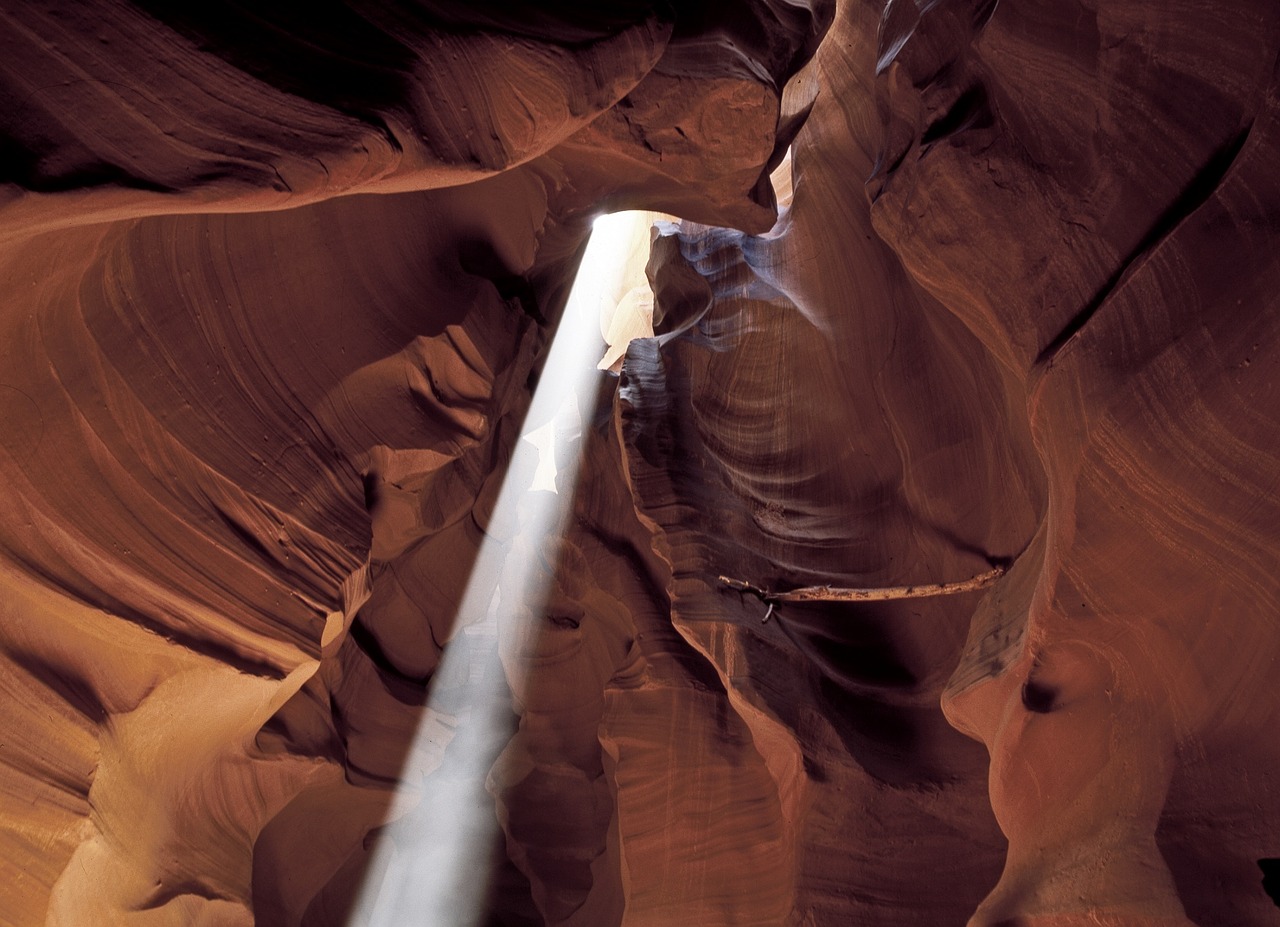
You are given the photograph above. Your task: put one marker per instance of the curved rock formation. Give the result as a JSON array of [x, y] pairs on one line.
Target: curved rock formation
[[958, 286]]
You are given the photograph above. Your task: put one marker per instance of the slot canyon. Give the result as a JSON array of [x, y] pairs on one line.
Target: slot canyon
[[874, 521]]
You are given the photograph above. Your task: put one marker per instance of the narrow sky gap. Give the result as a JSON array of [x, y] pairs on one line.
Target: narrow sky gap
[[430, 864]]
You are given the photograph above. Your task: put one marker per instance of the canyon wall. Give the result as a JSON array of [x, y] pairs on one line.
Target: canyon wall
[[949, 287]]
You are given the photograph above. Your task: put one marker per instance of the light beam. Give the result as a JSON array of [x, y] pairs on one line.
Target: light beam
[[434, 874]]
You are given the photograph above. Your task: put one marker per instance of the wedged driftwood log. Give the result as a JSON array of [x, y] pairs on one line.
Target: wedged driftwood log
[[883, 594]]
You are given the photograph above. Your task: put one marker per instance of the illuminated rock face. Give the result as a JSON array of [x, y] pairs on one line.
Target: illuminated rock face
[[1022, 310]]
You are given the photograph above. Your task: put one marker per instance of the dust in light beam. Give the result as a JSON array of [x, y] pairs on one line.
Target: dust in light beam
[[430, 862]]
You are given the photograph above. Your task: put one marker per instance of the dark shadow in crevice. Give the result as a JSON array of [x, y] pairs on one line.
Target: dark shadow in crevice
[[1271, 878]]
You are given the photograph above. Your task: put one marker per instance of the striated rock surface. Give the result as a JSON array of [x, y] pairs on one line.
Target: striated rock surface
[[959, 286]]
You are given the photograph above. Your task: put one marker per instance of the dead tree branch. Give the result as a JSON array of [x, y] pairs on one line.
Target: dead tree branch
[[883, 594]]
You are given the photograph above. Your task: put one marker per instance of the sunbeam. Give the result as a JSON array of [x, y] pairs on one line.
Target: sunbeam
[[430, 867]]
